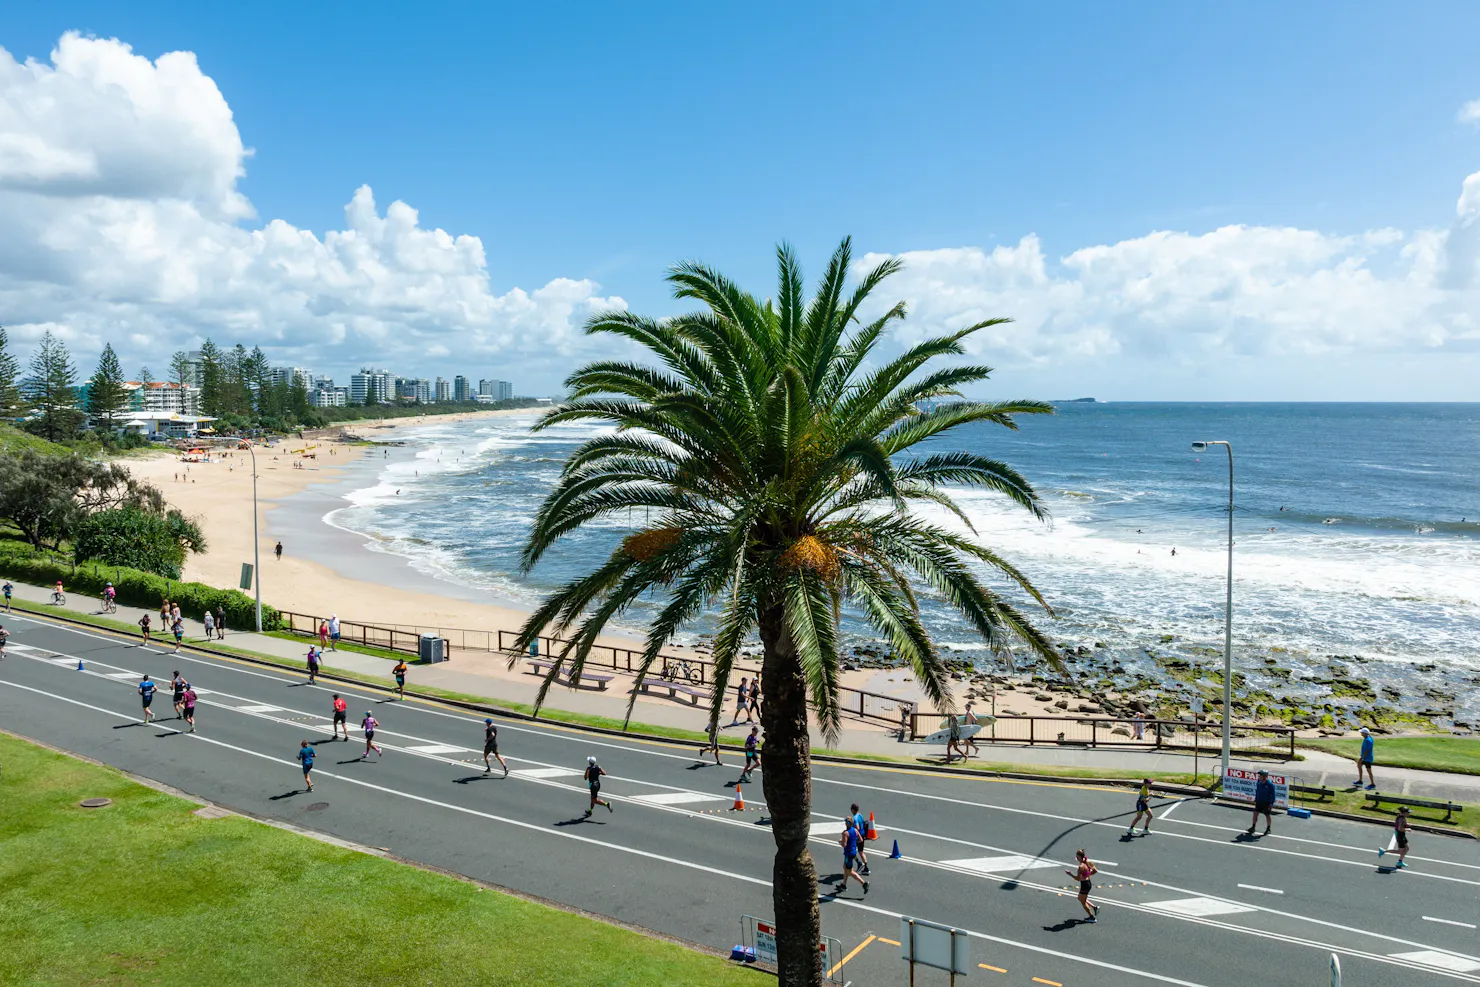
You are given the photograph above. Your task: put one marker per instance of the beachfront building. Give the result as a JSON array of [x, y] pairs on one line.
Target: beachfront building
[[497, 390], [460, 389], [377, 385], [157, 424], [164, 396], [291, 376], [329, 397], [443, 390]]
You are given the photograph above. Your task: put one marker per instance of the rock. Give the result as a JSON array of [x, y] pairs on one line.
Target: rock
[[1043, 697], [1061, 704], [1120, 731]]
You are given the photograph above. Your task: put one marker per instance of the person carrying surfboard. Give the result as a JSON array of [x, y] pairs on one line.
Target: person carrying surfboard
[[970, 738]]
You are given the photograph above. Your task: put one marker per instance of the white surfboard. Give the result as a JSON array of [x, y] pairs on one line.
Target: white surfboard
[[943, 736]]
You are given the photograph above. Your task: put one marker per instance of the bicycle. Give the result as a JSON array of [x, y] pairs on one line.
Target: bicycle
[[110, 604], [59, 598], [672, 668]]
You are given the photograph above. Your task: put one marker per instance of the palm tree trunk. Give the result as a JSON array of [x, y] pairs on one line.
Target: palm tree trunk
[[786, 775]]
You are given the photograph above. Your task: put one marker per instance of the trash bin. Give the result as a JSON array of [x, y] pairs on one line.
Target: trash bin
[[432, 648]]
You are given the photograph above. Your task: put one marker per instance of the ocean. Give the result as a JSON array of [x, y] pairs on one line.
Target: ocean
[[1357, 530]]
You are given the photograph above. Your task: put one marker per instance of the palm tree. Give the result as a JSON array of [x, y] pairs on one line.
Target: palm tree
[[770, 455]]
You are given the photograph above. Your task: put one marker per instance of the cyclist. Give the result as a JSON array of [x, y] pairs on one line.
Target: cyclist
[[57, 596], [110, 596]]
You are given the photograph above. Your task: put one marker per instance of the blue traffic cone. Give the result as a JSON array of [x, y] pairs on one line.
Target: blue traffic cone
[[896, 854], [79, 665]]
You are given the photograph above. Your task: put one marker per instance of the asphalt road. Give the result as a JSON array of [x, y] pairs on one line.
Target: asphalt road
[[1196, 903]]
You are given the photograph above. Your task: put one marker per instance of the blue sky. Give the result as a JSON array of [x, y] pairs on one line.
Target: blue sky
[[602, 145]]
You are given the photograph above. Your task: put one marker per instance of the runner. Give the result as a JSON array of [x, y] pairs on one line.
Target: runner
[[9, 589], [755, 699], [341, 710], [368, 724], [849, 842], [4, 636], [1082, 872], [593, 778], [860, 824], [1400, 836], [400, 673], [490, 747], [189, 713], [313, 664], [144, 630], [713, 744], [210, 621], [742, 694], [146, 693], [970, 741], [177, 687], [1143, 808], [305, 754], [178, 629], [1264, 795], [334, 632], [752, 755]]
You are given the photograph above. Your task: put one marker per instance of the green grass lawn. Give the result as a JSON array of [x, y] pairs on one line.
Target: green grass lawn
[[1457, 754], [145, 892]]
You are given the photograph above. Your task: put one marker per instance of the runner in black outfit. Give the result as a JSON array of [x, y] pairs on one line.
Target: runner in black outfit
[[593, 778], [490, 748]]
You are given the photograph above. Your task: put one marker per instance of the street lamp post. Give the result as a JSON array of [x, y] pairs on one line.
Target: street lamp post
[[1227, 612], [256, 545]]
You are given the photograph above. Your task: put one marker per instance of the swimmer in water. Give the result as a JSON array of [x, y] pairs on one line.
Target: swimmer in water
[[1174, 553]]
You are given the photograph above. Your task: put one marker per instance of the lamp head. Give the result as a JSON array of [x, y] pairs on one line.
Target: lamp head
[[1199, 447]]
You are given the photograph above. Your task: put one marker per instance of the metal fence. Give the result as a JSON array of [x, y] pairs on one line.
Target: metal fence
[[1103, 731], [354, 632]]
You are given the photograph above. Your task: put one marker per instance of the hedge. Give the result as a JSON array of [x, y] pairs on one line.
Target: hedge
[[135, 587]]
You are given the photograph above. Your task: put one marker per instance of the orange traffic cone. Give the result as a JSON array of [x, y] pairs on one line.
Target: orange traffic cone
[[873, 834], [739, 800]]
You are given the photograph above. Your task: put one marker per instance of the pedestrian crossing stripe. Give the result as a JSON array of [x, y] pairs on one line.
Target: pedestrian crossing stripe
[[1200, 907], [1001, 865], [435, 749], [677, 798], [831, 830], [1443, 961], [67, 662], [546, 773], [258, 709], [116, 675]]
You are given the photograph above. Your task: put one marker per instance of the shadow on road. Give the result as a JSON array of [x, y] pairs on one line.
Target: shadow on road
[[287, 795], [581, 820]]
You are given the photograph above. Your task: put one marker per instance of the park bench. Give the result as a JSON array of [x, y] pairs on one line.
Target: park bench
[[1450, 808], [694, 692], [1314, 791], [540, 667]]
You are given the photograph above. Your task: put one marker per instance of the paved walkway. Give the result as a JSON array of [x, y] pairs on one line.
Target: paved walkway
[[484, 675]]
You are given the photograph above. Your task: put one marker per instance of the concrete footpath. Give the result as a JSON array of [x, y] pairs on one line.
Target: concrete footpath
[[1314, 768]]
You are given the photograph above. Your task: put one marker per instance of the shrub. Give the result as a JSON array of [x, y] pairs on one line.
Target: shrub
[[134, 587], [127, 536]]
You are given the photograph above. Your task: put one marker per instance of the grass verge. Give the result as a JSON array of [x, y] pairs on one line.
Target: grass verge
[[250, 904], [1459, 755]]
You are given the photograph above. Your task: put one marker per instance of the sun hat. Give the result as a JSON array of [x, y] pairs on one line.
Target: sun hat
[[590, 760]]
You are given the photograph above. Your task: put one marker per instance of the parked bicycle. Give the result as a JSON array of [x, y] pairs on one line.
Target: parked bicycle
[[676, 668]]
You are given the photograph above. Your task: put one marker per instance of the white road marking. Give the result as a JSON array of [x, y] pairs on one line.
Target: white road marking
[[1200, 907], [1394, 959], [438, 749], [677, 798], [1448, 921], [1255, 887], [257, 709], [1171, 808], [546, 773], [114, 675], [1001, 865], [1442, 961]]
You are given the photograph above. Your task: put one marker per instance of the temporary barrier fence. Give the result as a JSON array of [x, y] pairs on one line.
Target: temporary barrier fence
[[758, 945]]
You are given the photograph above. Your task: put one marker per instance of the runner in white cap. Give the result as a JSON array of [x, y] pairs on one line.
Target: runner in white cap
[[593, 778]]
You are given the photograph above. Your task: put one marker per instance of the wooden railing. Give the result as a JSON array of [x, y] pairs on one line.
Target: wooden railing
[[1100, 731]]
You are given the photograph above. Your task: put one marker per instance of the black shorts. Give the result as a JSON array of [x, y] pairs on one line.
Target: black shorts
[[1402, 839], [147, 701], [1141, 805], [400, 680], [491, 747], [1264, 807], [1084, 887], [369, 736], [179, 698], [595, 790], [338, 716], [190, 711]]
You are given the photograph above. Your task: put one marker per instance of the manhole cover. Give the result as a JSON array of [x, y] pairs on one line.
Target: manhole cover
[[95, 803], [318, 806]]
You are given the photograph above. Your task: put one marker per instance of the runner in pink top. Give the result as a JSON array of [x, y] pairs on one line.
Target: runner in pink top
[[368, 724]]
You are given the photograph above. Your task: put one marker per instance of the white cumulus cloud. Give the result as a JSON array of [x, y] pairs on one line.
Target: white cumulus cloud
[[121, 219]]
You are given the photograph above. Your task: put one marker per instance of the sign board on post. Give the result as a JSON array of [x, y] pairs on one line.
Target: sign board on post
[[1197, 704], [246, 581], [765, 943], [938, 946], [1239, 784]]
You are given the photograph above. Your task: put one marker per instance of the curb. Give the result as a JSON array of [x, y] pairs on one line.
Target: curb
[[1353, 817]]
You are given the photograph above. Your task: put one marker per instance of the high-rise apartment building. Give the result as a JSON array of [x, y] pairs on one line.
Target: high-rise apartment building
[[460, 389], [443, 390], [291, 376], [369, 382], [504, 390], [162, 396]]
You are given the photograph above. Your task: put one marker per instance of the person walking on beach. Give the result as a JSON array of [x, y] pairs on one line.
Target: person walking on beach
[[970, 719], [278, 551], [593, 780], [368, 724], [187, 711], [305, 756], [1083, 871], [313, 664], [742, 696], [400, 673], [1400, 837], [713, 744], [1365, 758], [1143, 808], [210, 621], [490, 748], [177, 689], [341, 710], [220, 622], [146, 694], [752, 755], [144, 631], [1264, 796], [334, 632], [849, 841]]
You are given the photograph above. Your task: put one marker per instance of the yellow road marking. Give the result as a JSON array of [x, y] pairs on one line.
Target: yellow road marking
[[1051, 983], [855, 952], [994, 969], [889, 941]]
